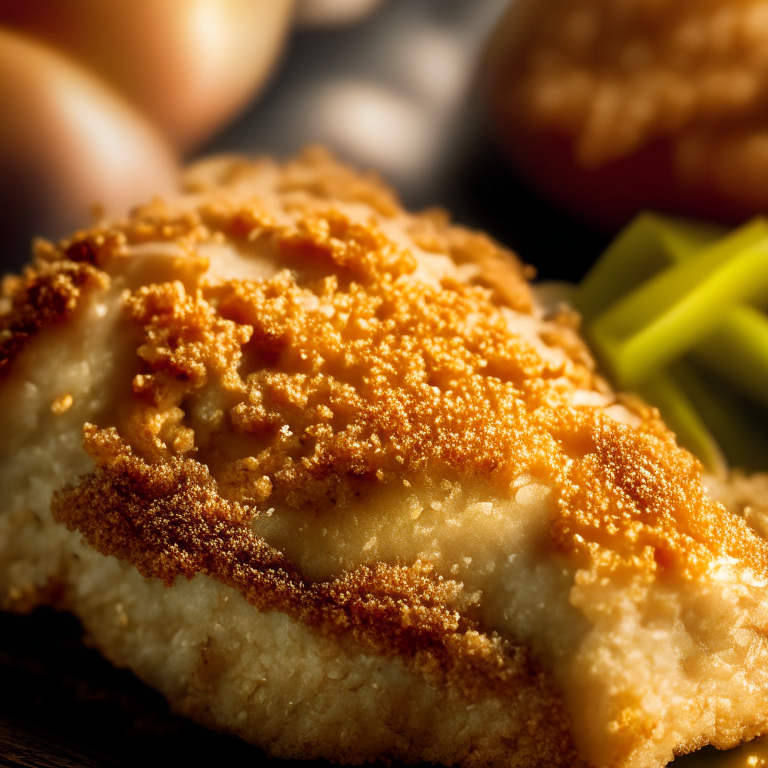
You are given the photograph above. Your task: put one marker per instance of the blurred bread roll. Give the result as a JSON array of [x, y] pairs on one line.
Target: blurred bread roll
[[68, 142], [187, 65], [611, 106], [326, 13], [102, 97]]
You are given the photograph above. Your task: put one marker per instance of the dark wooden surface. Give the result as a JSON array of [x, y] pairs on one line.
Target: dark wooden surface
[[61, 704], [24, 746]]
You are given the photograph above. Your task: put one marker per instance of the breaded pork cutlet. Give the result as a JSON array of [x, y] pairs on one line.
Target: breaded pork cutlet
[[324, 473]]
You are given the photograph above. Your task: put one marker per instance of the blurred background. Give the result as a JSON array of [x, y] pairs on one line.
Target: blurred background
[[102, 108], [404, 92]]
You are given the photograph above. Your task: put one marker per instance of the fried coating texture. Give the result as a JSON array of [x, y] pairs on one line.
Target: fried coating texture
[[639, 103], [325, 474]]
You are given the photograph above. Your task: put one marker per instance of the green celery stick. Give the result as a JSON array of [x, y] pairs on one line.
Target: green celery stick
[[659, 321], [740, 429], [648, 245], [737, 351], [695, 395], [682, 417]]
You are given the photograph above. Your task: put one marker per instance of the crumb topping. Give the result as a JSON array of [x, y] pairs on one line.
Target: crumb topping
[[346, 372], [636, 504], [42, 297], [355, 364], [313, 172], [369, 384], [168, 520]]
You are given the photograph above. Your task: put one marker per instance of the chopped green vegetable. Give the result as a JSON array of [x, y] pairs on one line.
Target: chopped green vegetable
[[648, 245], [739, 428], [681, 415], [656, 323], [668, 311], [737, 350]]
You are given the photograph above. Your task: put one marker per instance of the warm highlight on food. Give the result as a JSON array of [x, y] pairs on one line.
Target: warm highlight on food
[[328, 476], [611, 107]]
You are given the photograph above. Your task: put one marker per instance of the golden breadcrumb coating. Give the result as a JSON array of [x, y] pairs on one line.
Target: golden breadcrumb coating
[[43, 297], [682, 84], [283, 396]]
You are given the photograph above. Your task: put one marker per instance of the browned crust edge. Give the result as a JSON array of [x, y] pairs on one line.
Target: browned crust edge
[[42, 297], [168, 521]]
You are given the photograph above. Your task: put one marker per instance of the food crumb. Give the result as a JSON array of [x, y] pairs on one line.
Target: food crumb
[[61, 404]]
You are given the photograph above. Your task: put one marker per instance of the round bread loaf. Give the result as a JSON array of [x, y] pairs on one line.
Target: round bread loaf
[[612, 106]]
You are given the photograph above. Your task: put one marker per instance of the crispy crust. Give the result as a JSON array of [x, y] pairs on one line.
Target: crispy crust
[[43, 297], [382, 378], [168, 521]]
